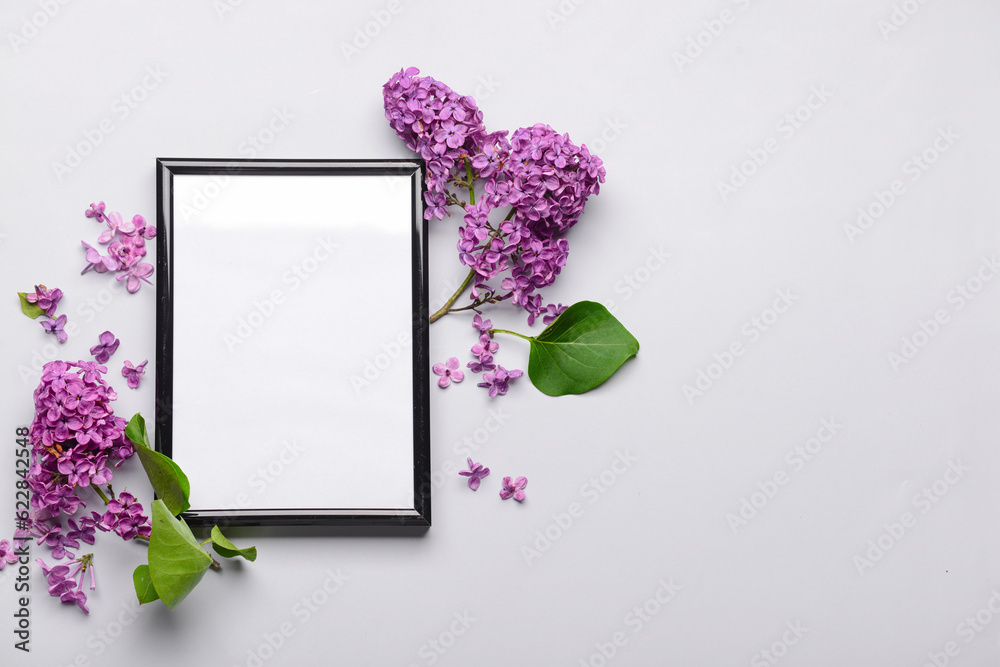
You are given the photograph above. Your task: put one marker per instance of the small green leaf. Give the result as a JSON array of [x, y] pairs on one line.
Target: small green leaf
[[30, 309], [144, 589], [227, 549], [136, 430], [580, 350], [168, 480], [176, 560]]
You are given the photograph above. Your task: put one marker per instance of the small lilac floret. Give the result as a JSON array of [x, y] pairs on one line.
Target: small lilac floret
[[475, 473], [514, 489]]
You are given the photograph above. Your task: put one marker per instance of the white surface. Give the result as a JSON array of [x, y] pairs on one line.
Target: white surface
[[278, 76], [289, 254]]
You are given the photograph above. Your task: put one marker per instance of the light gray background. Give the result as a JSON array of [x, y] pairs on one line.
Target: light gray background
[[669, 132]]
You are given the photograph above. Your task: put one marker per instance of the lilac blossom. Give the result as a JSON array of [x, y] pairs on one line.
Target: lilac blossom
[[63, 583], [514, 489], [540, 175], [96, 211], [124, 517], [497, 382], [132, 374], [45, 298], [126, 241], [74, 436], [483, 351], [60, 550], [95, 260], [445, 128], [485, 346], [84, 530], [449, 372], [484, 326], [134, 273], [475, 473], [7, 555], [107, 344], [55, 326]]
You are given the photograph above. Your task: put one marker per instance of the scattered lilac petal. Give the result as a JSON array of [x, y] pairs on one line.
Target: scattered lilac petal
[[475, 473], [514, 489], [132, 374], [106, 346]]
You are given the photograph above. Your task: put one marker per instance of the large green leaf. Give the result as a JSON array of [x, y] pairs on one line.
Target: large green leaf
[[176, 560], [168, 480], [227, 549], [580, 350], [30, 309], [144, 589]]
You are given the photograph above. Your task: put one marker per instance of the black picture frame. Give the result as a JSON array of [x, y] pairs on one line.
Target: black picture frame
[[169, 406]]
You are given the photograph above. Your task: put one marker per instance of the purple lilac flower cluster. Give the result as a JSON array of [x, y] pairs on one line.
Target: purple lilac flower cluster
[[76, 443], [63, 583], [496, 379], [125, 252], [45, 298], [542, 176], [74, 434], [444, 127], [124, 517], [48, 300]]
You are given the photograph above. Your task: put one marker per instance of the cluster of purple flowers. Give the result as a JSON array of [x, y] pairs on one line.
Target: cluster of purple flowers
[[48, 300], [45, 298], [63, 583], [74, 434], [542, 176], [125, 252], [124, 517], [496, 379], [439, 124], [76, 441]]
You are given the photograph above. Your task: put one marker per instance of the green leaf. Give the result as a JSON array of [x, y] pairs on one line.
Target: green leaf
[[144, 589], [168, 480], [136, 430], [227, 549], [580, 350], [176, 560], [30, 309]]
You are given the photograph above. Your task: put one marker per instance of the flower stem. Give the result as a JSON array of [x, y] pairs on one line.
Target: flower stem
[[511, 333], [100, 493], [468, 174], [471, 306], [443, 310]]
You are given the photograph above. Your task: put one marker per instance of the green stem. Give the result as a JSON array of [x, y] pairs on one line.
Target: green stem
[[471, 306], [216, 565], [100, 493], [443, 310], [511, 333], [468, 174]]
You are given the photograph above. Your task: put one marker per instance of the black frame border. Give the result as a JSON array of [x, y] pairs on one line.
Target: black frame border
[[166, 168]]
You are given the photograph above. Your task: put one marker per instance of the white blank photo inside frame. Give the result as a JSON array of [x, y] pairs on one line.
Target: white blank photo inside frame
[[278, 280]]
